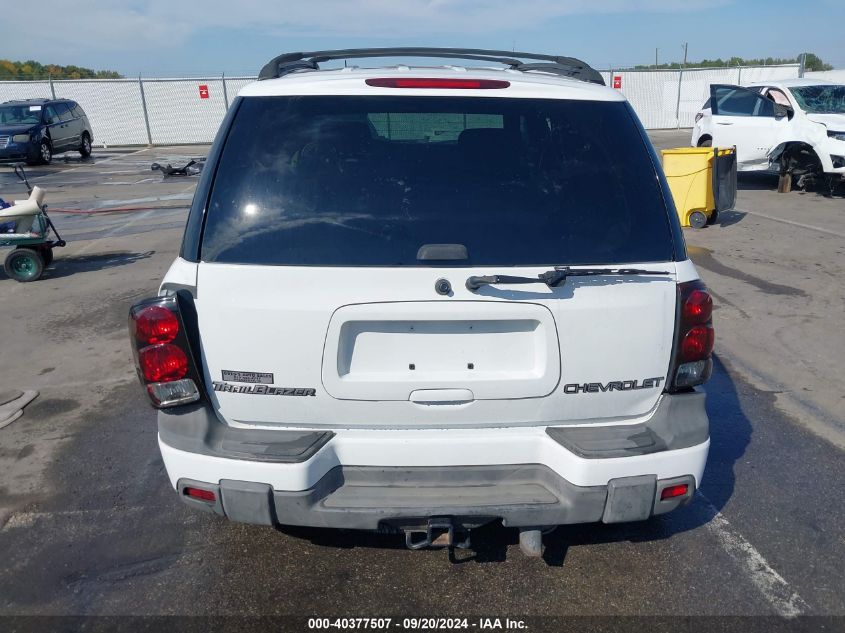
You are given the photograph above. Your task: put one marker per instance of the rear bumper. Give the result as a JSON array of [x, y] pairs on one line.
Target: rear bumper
[[369, 478]]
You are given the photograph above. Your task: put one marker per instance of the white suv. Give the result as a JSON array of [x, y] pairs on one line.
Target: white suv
[[423, 299], [792, 126]]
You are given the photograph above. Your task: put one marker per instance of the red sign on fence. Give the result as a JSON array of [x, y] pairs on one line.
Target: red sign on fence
[[617, 82], [203, 91]]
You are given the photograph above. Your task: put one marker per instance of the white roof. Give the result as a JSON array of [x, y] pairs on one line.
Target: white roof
[[350, 81], [791, 83]]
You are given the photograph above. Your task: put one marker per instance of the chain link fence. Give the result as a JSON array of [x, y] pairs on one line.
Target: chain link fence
[[189, 110]]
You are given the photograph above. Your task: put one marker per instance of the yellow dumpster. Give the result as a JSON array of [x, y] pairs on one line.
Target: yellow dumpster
[[702, 181]]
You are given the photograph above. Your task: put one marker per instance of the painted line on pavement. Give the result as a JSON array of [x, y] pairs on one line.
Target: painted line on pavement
[[775, 589], [793, 223]]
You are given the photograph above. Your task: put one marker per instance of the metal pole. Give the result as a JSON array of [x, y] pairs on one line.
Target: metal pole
[[225, 94], [680, 83], [802, 64], [144, 104], [52, 87], [739, 75], [678, 103]]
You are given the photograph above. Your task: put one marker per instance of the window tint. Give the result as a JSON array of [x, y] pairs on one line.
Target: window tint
[[51, 115], [742, 102], [64, 112], [366, 181]]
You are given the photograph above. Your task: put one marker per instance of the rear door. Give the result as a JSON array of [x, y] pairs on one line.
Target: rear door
[[69, 125], [334, 222], [746, 119], [58, 129]]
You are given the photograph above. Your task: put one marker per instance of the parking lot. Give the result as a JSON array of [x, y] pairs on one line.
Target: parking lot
[[89, 524]]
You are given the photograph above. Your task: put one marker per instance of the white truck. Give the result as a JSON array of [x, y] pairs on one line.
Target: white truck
[[418, 300]]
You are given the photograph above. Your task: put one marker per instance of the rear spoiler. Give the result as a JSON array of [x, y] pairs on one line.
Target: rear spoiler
[[564, 66]]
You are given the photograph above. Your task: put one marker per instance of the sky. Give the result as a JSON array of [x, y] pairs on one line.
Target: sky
[[236, 37]]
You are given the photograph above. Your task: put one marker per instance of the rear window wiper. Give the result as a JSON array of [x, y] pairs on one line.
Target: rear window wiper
[[556, 277]]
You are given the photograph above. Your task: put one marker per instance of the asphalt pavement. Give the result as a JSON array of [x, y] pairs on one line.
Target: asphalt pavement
[[90, 526]]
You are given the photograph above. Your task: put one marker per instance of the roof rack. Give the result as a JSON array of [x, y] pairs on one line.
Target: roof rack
[[565, 66]]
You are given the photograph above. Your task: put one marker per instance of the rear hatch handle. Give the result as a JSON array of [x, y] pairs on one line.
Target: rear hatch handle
[[556, 277]]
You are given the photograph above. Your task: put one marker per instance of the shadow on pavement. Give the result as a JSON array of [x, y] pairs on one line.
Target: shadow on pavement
[[730, 434], [66, 266], [729, 218], [765, 181]]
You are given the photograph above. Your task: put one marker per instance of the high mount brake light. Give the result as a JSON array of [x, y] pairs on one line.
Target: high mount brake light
[[691, 362], [422, 82], [162, 352]]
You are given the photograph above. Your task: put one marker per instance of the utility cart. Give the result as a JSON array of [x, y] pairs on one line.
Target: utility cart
[[26, 226]]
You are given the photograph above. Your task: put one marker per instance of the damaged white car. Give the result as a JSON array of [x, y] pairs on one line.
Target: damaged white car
[[793, 126]]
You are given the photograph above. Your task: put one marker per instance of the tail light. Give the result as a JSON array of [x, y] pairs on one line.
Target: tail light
[[699, 116], [162, 352], [691, 362], [414, 82]]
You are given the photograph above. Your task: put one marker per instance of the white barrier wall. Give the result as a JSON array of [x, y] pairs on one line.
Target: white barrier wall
[[670, 98], [837, 76], [176, 111]]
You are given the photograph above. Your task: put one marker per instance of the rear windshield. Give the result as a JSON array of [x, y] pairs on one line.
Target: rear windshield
[[367, 181]]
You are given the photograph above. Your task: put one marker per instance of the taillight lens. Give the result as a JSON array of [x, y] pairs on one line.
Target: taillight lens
[[162, 352], [697, 307], [691, 363], [155, 324], [163, 363], [422, 82], [697, 343], [699, 116]]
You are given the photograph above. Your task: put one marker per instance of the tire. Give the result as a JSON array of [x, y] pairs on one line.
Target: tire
[[24, 264], [85, 148], [45, 156], [45, 251], [697, 220], [706, 143]]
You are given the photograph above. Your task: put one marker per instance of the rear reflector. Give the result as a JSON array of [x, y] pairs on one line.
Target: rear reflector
[[460, 84], [674, 491], [199, 494]]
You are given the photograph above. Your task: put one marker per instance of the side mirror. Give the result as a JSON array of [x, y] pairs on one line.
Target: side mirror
[[783, 111]]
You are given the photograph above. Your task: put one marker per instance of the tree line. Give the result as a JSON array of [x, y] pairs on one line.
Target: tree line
[[32, 70], [812, 62]]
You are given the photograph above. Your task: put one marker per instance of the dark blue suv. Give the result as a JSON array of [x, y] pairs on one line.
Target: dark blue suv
[[35, 129]]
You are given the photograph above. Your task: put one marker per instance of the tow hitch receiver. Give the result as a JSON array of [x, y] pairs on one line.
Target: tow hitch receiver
[[439, 532]]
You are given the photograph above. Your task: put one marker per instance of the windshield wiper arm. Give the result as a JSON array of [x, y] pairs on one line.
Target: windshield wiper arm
[[556, 277]]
